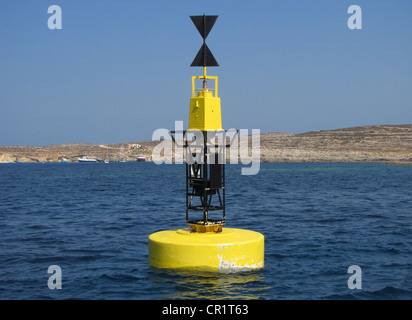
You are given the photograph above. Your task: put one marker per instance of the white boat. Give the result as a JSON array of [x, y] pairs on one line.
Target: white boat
[[87, 159], [141, 158], [107, 156]]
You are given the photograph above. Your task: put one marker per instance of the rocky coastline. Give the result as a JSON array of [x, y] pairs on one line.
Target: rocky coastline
[[380, 143]]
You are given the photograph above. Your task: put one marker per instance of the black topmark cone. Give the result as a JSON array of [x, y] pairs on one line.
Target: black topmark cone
[[204, 58], [204, 24]]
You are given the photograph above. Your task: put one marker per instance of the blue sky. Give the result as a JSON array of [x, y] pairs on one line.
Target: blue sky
[[118, 70]]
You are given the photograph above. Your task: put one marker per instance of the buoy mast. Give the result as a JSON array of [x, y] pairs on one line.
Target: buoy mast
[[205, 176]]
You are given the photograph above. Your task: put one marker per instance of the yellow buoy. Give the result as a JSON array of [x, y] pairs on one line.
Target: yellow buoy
[[229, 249], [206, 244]]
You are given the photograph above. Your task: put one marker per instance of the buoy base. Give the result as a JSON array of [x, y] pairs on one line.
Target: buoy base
[[229, 249]]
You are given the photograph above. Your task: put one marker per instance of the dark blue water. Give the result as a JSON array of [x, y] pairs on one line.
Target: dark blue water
[[93, 221]]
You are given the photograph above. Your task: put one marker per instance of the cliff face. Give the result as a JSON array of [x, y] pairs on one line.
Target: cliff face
[[383, 143], [359, 144]]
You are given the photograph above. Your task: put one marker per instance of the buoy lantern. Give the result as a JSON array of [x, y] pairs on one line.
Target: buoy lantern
[[206, 243]]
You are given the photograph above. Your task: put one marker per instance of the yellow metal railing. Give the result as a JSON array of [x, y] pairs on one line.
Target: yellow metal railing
[[205, 77]]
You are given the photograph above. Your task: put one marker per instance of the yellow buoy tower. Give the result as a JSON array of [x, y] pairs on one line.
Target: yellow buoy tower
[[206, 244]]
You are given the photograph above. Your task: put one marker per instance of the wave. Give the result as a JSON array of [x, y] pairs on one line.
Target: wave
[[386, 293]]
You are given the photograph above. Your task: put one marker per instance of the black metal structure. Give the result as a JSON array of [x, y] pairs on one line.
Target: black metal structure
[[205, 179], [205, 185]]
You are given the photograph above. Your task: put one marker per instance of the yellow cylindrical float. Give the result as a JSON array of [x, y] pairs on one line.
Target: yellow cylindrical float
[[229, 249]]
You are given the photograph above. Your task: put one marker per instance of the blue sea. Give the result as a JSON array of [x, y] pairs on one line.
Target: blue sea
[[93, 221]]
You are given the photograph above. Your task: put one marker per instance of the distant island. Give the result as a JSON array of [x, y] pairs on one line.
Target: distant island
[[379, 143], [72, 152]]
